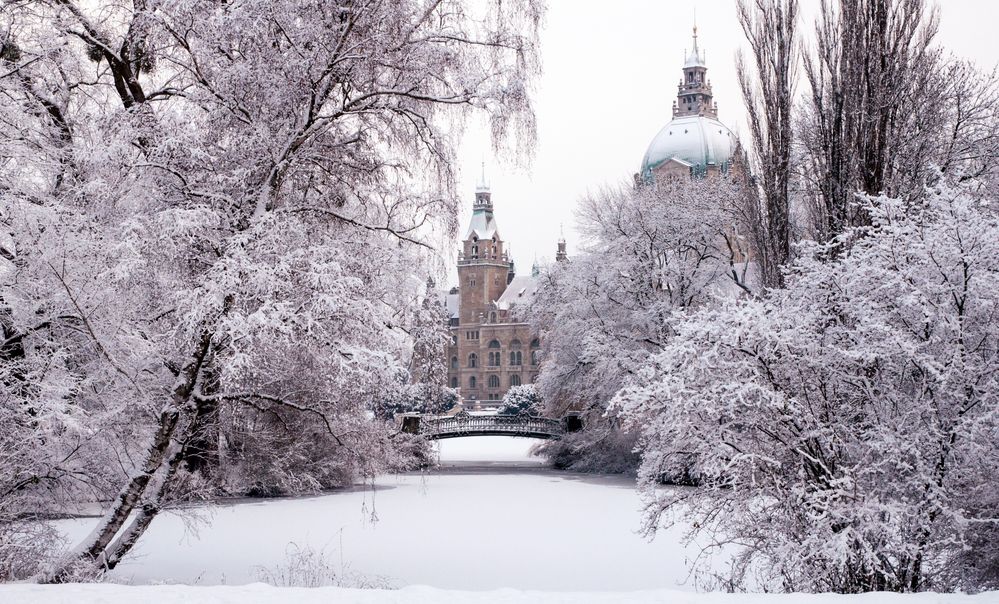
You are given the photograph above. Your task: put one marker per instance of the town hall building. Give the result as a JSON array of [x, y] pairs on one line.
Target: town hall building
[[491, 348]]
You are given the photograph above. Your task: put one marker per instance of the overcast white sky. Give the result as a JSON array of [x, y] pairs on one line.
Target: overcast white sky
[[610, 76]]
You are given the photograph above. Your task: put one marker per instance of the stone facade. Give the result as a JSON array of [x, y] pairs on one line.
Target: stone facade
[[491, 350]]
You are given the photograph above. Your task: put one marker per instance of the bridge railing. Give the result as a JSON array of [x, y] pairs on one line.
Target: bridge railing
[[507, 424]]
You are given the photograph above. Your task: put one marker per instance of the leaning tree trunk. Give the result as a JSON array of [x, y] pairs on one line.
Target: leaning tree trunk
[[162, 456]]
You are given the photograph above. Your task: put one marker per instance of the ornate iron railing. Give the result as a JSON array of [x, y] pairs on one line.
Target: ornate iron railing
[[513, 425]]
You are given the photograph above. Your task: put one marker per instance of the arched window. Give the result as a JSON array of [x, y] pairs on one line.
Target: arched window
[[494, 344], [473, 360], [516, 357], [454, 362], [475, 251], [515, 380], [494, 359], [535, 351], [471, 382], [492, 317], [454, 382], [494, 381]]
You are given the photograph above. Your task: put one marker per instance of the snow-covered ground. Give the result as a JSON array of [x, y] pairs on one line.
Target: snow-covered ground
[[266, 594], [492, 526], [492, 518]]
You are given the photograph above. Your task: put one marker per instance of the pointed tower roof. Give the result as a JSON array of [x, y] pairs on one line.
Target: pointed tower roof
[[483, 223], [696, 57], [483, 185]]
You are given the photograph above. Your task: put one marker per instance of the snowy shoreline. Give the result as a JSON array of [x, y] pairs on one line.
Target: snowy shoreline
[[259, 593]]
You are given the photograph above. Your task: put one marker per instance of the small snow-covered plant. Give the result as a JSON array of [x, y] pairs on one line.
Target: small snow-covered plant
[[521, 400], [846, 427], [305, 566]]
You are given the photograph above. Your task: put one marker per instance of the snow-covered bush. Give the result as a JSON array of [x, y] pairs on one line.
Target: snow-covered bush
[[521, 400], [845, 428], [603, 447]]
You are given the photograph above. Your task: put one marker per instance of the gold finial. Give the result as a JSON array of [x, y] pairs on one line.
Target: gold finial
[[696, 50]]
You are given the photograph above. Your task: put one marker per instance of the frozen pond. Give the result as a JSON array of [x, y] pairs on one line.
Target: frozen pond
[[491, 518]]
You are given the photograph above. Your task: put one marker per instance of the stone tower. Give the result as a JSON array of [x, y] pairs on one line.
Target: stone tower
[[694, 95], [483, 265], [561, 255], [492, 350]]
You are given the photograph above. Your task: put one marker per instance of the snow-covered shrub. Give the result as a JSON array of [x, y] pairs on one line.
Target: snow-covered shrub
[[305, 566], [521, 400], [603, 448], [845, 428]]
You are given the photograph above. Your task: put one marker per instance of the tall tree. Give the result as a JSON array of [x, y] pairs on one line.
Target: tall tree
[[647, 253], [870, 102], [768, 92]]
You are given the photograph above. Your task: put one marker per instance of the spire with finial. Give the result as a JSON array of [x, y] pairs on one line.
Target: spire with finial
[[483, 197], [482, 185]]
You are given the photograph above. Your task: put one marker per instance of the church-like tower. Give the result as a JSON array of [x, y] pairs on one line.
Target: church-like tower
[[491, 350], [694, 96], [483, 265]]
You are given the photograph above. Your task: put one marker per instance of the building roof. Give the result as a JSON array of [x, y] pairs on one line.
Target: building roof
[[482, 225], [695, 58], [519, 291], [695, 139]]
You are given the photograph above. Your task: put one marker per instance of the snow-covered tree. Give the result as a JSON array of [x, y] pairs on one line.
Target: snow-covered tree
[[647, 253], [521, 400], [213, 206], [844, 428]]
